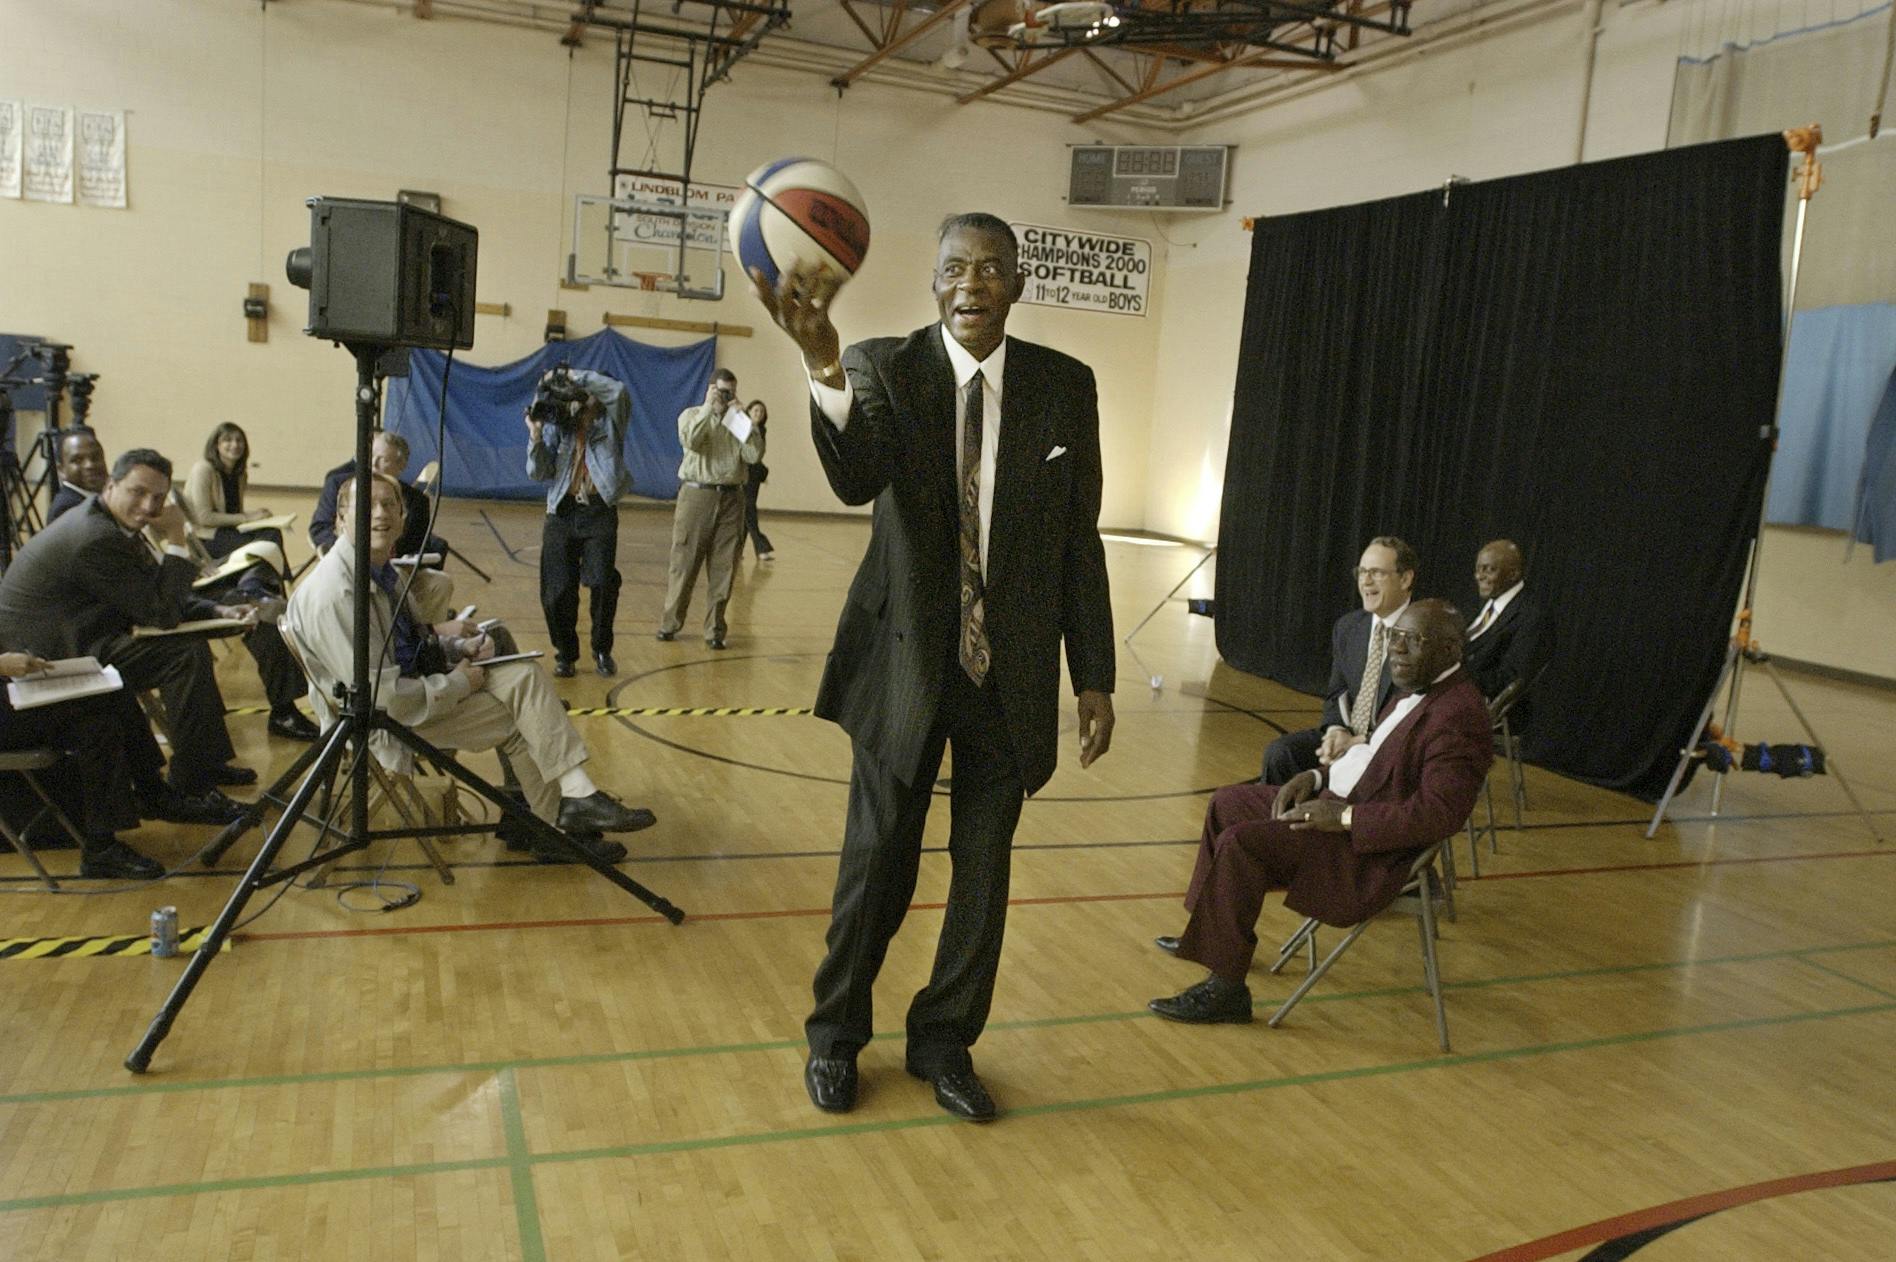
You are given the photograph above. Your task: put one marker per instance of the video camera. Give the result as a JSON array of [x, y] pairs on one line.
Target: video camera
[[560, 398]]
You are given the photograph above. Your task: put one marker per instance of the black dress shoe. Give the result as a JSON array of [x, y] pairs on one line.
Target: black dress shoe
[[603, 663], [562, 667], [668, 636], [113, 860], [232, 774], [717, 643], [50, 836], [1210, 1002], [602, 813], [961, 1094], [1167, 943], [592, 843], [291, 725], [173, 807], [831, 1082]]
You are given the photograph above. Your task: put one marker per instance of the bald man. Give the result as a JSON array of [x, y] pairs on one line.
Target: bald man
[[1338, 840], [1506, 640]]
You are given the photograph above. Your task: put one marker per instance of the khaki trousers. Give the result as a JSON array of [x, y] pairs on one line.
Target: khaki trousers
[[708, 531], [516, 713]]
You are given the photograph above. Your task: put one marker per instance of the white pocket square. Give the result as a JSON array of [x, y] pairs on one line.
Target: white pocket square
[[1056, 453]]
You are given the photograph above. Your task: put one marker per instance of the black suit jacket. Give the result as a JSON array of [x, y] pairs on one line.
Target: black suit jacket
[[1515, 647], [1349, 653], [65, 499], [83, 581], [1046, 572]]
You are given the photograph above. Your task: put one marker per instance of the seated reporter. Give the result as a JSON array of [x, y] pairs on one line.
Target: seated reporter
[[442, 690], [214, 494], [388, 456], [92, 785], [1339, 840], [81, 464], [1506, 639], [78, 587]]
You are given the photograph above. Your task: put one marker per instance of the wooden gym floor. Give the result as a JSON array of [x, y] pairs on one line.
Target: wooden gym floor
[[528, 1064]]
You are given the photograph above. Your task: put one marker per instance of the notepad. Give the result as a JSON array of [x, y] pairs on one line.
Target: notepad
[[69, 679], [201, 625], [280, 521]]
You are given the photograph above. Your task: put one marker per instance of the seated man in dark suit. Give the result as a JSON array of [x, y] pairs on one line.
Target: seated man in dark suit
[[81, 464], [92, 786], [1505, 639], [78, 587], [1338, 840], [1359, 667], [389, 457]]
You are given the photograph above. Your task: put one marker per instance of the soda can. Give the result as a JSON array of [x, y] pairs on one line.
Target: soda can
[[164, 932]]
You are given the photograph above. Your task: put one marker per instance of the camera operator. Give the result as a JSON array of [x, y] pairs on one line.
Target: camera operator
[[575, 429], [708, 523]]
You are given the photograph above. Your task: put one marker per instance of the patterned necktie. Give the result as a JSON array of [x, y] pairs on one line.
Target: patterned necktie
[[1481, 623], [1363, 712], [582, 475], [975, 657]]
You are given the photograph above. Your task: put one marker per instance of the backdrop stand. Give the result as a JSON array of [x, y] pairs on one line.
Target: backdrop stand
[[1743, 648], [1158, 681]]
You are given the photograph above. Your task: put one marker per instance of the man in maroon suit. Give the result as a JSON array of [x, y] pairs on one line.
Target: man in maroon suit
[[1338, 840]]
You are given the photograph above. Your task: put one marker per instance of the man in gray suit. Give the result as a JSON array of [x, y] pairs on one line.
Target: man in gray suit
[[981, 454]]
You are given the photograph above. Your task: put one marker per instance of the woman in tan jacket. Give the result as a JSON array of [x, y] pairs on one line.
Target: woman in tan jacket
[[214, 494]]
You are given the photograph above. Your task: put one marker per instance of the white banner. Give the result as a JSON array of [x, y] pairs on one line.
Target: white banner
[[715, 199], [101, 158], [12, 127], [48, 157], [1084, 271]]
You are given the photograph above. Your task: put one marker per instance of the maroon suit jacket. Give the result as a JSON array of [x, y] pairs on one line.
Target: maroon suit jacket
[[1419, 789]]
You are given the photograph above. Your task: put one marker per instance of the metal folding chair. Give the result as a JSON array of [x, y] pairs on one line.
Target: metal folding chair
[[1507, 743], [1419, 895], [23, 763], [428, 482]]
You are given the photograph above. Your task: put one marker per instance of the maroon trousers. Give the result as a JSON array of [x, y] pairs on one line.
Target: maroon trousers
[[1243, 855]]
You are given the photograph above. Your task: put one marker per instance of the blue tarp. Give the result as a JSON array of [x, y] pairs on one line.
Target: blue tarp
[[1834, 378], [1876, 499], [487, 440]]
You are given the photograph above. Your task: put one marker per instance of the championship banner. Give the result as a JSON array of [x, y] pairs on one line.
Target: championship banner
[[12, 128], [101, 155], [48, 154], [717, 199], [1084, 271]]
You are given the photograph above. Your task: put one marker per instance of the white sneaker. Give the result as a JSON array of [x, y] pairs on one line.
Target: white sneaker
[[766, 556]]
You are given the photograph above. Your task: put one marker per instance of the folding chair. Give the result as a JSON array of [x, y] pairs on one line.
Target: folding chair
[[23, 763], [428, 483], [1507, 743], [1418, 898]]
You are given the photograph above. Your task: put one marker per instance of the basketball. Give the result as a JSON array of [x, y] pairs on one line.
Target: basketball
[[799, 210]]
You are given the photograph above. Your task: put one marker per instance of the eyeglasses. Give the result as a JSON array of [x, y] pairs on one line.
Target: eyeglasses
[[1372, 571], [1399, 638], [956, 269]]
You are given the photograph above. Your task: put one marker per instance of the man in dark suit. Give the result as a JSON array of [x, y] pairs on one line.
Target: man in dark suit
[[81, 470], [79, 586], [981, 453], [1506, 641], [388, 456], [1359, 666], [1338, 840]]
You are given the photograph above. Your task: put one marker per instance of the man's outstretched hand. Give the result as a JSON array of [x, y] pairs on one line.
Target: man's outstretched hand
[[800, 306], [1096, 726]]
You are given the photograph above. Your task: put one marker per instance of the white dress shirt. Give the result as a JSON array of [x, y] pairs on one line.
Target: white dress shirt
[[1496, 605], [1347, 770], [835, 405]]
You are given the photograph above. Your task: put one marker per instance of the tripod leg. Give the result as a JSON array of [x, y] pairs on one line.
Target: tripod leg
[[543, 830], [250, 818], [1685, 755], [482, 574], [1830, 764], [324, 758]]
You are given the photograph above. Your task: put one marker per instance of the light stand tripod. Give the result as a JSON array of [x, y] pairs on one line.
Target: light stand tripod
[[1743, 648], [318, 764]]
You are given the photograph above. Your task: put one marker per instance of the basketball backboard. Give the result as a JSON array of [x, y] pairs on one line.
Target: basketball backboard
[[650, 241]]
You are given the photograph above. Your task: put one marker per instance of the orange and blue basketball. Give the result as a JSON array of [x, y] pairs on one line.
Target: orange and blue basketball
[[799, 210]]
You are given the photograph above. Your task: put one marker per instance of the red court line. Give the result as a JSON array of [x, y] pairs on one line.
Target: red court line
[[781, 913], [1691, 1207]]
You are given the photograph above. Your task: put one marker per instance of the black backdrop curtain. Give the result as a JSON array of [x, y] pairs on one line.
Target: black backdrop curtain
[[1580, 360]]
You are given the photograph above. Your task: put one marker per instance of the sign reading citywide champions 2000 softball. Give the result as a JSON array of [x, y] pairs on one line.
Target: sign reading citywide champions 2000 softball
[[1084, 271]]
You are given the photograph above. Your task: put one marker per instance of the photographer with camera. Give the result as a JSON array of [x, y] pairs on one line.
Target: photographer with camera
[[719, 439], [575, 431]]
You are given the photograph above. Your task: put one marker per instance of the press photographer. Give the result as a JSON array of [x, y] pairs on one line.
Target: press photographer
[[575, 428]]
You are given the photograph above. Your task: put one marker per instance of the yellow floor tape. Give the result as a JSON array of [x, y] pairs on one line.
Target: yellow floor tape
[[73, 948]]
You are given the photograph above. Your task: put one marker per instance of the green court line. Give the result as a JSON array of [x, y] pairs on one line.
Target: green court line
[[1871, 987], [797, 1044], [520, 1159], [526, 1205]]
